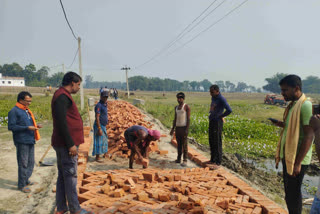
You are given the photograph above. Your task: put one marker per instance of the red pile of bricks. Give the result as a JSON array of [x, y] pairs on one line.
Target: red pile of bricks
[[155, 191], [123, 115]]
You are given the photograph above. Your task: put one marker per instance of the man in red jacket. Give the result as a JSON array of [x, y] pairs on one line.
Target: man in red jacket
[[66, 137]]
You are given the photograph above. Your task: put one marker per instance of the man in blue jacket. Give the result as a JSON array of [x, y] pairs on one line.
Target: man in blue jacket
[[218, 110], [25, 132]]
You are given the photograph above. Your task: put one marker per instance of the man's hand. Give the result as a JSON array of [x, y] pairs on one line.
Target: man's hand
[[39, 126], [296, 170], [32, 128], [172, 131], [73, 151], [100, 132]]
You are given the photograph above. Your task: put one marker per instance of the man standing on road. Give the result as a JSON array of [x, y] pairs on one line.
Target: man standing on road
[[138, 140], [218, 110], [25, 133], [294, 147], [315, 124], [66, 137], [181, 124], [100, 145]]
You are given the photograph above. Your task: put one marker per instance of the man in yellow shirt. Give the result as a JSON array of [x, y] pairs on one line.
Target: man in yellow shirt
[[294, 148]]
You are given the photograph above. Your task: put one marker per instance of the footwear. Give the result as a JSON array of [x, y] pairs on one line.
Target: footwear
[[30, 183], [177, 161], [83, 211], [61, 212], [98, 159], [26, 189], [184, 164]]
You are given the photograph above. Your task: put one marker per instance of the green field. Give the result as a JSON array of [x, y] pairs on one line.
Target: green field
[[246, 131]]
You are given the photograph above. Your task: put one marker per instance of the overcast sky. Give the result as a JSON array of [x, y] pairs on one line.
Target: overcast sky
[[257, 40]]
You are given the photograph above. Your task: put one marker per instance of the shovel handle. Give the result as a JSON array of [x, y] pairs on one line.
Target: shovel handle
[[46, 152]]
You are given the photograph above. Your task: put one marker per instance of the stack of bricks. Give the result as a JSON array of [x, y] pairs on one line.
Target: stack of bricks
[[83, 154], [123, 115], [195, 190]]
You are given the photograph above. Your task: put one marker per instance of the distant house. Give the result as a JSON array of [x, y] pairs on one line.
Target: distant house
[[11, 81]]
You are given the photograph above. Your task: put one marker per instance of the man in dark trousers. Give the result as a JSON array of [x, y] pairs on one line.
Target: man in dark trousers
[[181, 125], [294, 148], [218, 110], [66, 137], [25, 132]]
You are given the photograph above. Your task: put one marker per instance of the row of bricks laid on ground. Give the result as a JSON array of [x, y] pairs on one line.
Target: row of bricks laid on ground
[[196, 190], [268, 205]]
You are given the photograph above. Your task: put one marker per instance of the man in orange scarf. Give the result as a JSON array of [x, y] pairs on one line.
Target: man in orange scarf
[[25, 133]]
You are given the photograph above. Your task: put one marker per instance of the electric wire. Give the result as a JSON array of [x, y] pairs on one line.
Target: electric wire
[[65, 15], [74, 58], [180, 35], [219, 20]]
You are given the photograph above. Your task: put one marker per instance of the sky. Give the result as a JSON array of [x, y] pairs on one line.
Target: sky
[[254, 42]]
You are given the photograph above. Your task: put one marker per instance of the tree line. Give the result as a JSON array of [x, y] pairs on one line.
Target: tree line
[[311, 84], [156, 84], [40, 78], [32, 76]]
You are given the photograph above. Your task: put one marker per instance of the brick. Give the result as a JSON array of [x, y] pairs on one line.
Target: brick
[[223, 204], [105, 189], [175, 196], [186, 205], [118, 193], [130, 181], [164, 196], [142, 196], [148, 177], [163, 152]]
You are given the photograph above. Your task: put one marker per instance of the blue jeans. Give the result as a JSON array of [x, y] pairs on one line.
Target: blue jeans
[[25, 159], [315, 209], [67, 181]]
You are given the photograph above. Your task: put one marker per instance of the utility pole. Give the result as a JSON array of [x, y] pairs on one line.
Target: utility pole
[[126, 69], [63, 70], [80, 73]]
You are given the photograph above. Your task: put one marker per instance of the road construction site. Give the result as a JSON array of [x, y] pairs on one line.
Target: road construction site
[[110, 187]]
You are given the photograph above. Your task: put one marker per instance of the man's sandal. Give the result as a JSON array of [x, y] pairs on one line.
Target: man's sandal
[[30, 183], [26, 189]]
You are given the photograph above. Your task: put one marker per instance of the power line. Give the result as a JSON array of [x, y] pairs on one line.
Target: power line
[[180, 35], [65, 15], [208, 27], [74, 58]]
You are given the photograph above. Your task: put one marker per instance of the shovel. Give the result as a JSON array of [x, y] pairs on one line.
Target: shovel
[[45, 164]]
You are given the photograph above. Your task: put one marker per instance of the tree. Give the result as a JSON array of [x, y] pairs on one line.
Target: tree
[[205, 84], [230, 86], [221, 85], [56, 79], [311, 84], [241, 87], [88, 80], [273, 83], [194, 85]]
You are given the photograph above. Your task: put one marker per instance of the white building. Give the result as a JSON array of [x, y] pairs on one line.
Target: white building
[[11, 81]]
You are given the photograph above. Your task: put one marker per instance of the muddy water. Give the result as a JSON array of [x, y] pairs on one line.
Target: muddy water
[[310, 180]]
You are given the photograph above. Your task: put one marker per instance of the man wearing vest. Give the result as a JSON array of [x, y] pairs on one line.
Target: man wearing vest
[[25, 132], [294, 147], [66, 137], [181, 125]]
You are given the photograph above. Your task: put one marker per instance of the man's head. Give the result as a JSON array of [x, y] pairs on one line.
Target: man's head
[[180, 97], [104, 96], [214, 90], [291, 87], [72, 81], [24, 98], [154, 134]]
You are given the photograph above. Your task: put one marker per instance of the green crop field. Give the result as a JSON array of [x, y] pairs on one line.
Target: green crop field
[[246, 131]]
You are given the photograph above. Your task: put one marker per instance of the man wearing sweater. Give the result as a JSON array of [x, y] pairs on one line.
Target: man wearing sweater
[[66, 137]]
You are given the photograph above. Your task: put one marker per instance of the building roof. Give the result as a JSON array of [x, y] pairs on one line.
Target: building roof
[[11, 78]]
